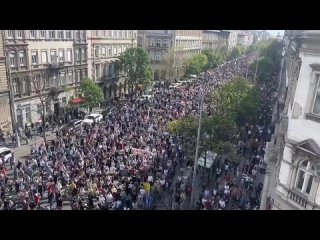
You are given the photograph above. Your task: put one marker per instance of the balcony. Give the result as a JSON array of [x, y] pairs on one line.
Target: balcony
[[56, 66], [298, 198]]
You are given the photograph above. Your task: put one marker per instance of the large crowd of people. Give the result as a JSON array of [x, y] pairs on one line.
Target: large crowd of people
[[128, 161]]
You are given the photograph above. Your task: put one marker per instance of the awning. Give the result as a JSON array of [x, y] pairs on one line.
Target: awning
[[77, 101]]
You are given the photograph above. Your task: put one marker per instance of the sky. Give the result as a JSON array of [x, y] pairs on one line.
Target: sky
[[275, 32]]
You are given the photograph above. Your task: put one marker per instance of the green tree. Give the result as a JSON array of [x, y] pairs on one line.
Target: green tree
[[91, 93], [136, 64], [235, 53], [196, 64], [237, 100], [214, 57], [274, 52], [265, 68]]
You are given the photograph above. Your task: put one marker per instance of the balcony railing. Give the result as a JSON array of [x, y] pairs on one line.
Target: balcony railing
[[56, 65], [301, 200]]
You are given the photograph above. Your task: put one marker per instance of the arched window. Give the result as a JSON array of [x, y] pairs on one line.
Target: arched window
[[304, 178]]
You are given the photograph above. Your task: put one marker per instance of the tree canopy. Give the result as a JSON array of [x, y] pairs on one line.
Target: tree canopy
[[135, 63], [214, 57], [196, 64], [91, 92]]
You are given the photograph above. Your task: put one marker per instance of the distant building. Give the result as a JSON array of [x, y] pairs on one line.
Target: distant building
[[182, 43], [214, 38], [104, 48], [245, 38]]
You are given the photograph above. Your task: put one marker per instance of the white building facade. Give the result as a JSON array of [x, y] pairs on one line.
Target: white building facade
[[298, 179]]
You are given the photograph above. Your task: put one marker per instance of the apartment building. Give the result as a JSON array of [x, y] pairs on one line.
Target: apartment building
[[297, 179], [104, 48], [214, 38], [182, 44], [40, 60], [233, 38], [5, 114], [245, 38]]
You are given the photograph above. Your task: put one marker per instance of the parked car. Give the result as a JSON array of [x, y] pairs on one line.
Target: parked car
[[5, 153], [73, 125], [94, 117]]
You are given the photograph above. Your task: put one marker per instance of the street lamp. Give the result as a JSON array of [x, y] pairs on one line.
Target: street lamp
[[197, 152]]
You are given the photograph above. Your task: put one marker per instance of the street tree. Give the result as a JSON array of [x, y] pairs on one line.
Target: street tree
[[265, 68], [196, 64], [91, 92], [174, 64], [214, 57], [235, 53], [135, 63]]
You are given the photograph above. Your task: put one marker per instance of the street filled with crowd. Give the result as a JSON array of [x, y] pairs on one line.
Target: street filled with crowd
[[129, 160]]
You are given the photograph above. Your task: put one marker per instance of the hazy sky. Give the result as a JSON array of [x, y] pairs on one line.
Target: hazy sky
[[275, 32]]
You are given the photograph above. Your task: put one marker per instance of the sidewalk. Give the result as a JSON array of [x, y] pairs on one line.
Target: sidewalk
[[50, 135]]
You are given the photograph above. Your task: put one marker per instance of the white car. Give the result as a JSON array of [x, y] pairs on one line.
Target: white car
[[94, 117], [5, 153]]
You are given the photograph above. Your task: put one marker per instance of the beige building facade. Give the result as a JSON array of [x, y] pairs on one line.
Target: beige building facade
[[182, 44], [5, 114], [39, 60], [104, 49]]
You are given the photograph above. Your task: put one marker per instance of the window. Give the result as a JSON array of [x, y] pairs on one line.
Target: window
[[165, 43], [83, 54], [316, 101], [44, 57], [42, 33], [22, 61], [114, 50], [96, 51], [69, 55], [158, 44], [60, 34], [165, 31], [103, 51], [70, 76], [152, 42], [12, 58], [109, 52], [305, 177], [34, 56], [120, 33], [120, 50], [134, 34], [61, 55], [52, 34], [130, 33], [23, 86], [68, 34], [124, 48], [35, 83], [98, 71], [10, 33], [16, 85], [77, 54], [39, 108], [110, 33], [83, 34], [53, 56], [32, 33], [46, 82], [125, 34], [63, 78], [77, 34], [19, 33], [158, 56], [104, 33], [115, 33]]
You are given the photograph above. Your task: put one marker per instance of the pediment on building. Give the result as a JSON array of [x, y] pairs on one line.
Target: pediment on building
[[308, 145]]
